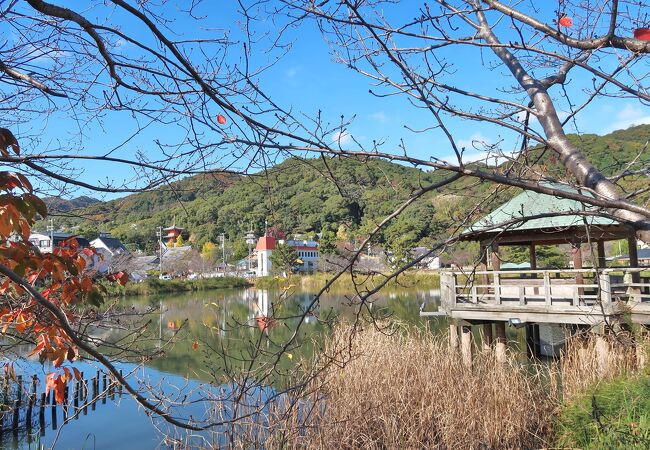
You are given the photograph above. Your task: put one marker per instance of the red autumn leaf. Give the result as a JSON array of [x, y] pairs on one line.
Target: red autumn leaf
[[221, 119], [195, 345], [566, 21], [77, 374]]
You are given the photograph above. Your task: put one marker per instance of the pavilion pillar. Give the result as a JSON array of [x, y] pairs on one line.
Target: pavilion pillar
[[499, 327], [602, 258], [500, 348], [576, 256], [496, 260], [634, 258], [487, 336], [453, 336], [466, 345], [533, 256]]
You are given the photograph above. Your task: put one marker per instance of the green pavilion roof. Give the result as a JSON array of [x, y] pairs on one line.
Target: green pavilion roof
[[530, 203]]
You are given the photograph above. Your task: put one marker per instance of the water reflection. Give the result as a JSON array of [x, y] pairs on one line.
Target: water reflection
[[187, 344]]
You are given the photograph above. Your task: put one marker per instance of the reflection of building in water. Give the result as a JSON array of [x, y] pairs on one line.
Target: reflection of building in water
[[262, 303]]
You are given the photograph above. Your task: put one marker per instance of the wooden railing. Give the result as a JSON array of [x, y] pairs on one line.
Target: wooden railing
[[551, 288]]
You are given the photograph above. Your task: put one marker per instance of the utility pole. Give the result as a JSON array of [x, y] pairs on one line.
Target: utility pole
[[223, 251], [159, 235], [50, 228]]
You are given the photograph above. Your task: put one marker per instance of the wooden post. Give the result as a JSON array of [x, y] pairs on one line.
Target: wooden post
[[483, 266], [634, 261], [533, 256], [104, 385], [453, 336], [14, 425], [41, 414], [602, 355], [487, 336], [19, 389], [53, 413], [576, 255], [466, 345], [496, 260], [500, 328], [602, 257]]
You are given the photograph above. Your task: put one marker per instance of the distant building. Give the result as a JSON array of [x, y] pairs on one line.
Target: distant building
[[44, 240], [171, 234], [111, 251], [106, 243], [306, 250], [643, 255], [429, 262]]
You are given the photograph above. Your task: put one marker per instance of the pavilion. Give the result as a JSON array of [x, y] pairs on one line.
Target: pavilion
[[585, 294]]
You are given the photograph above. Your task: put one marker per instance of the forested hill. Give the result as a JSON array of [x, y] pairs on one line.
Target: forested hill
[[309, 196]]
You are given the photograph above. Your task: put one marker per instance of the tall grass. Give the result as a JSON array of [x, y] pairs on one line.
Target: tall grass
[[606, 394], [590, 360], [406, 389]]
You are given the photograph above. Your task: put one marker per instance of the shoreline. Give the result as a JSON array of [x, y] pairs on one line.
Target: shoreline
[[153, 286]]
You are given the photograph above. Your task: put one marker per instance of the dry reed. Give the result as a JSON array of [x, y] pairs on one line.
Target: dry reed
[[592, 359], [406, 390]]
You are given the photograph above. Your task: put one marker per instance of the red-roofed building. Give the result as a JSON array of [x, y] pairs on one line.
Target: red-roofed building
[[307, 252], [171, 234]]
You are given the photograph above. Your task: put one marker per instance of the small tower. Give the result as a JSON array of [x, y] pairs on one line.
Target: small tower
[[265, 247]]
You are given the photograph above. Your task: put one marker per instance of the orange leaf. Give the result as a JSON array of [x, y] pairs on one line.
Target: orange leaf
[[49, 382], [59, 390], [195, 345]]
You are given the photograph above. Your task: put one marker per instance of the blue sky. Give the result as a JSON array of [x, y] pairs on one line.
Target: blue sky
[[307, 81]]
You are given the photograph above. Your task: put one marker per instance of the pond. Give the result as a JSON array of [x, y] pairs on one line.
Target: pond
[[185, 348]]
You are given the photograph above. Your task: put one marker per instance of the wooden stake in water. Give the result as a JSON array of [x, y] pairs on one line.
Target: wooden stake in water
[[41, 414]]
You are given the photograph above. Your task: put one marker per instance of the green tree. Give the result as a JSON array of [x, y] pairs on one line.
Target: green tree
[[209, 252], [327, 243], [283, 258]]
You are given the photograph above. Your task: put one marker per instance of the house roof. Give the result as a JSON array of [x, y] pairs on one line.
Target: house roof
[[266, 243], [530, 203], [172, 253], [643, 253], [61, 236], [55, 234], [173, 227], [113, 244]]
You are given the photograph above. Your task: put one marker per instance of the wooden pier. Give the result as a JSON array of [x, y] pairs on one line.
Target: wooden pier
[[572, 296]]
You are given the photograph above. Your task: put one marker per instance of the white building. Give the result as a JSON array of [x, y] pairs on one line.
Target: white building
[[109, 248], [429, 262], [307, 252], [44, 240]]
